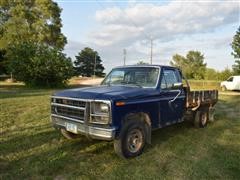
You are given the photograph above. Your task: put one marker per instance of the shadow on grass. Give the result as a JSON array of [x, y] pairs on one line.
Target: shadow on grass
[[43, 134], [59, 154], [67, 154]]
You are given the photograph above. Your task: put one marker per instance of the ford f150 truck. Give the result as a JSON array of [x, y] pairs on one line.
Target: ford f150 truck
[[130, 103]]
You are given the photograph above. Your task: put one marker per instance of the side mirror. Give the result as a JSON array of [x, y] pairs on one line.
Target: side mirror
[[177, 85]]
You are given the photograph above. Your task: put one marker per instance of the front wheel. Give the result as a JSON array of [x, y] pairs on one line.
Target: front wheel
[[132, 140]]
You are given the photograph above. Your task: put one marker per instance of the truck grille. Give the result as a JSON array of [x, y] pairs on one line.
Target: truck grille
[[69, 107], [71, 102]]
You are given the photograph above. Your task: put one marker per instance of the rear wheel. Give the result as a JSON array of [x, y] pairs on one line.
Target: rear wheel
[[132, 139], [211, 115], [201, 118]]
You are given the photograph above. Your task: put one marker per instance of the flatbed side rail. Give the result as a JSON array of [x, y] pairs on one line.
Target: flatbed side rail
[[196, 99]]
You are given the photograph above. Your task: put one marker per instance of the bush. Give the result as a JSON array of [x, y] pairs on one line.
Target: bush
[[212, 74], [39, 65]]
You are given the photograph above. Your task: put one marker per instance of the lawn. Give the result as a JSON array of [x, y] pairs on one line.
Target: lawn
[[31, 148]]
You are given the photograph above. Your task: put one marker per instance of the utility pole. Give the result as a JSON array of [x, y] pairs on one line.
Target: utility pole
[[124, 56], [151, 39], [94, 68]]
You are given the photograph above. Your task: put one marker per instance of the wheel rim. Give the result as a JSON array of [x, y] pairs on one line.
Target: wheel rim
[[134, 140], [204, 118]]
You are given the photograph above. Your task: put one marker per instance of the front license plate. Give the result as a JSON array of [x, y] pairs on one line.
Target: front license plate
[[71, 127]]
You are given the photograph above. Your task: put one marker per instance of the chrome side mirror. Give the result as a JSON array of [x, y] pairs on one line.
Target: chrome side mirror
[[177, 85]]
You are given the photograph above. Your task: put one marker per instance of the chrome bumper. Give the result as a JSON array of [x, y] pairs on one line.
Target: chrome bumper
[[90, 131]]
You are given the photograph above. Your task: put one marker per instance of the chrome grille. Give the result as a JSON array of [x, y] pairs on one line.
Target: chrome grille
[[73, 113], [71, 102], [69, 107]]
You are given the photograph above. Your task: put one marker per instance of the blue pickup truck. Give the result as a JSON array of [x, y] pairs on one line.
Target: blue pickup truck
[[129, 104]]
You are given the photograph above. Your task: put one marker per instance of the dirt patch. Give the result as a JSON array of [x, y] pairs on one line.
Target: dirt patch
[[90, 81]]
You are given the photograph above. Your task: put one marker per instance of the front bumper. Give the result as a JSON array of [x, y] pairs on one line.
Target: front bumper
[[82, 128]]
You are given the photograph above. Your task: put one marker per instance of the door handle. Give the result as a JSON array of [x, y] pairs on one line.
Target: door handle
[[179, 92]]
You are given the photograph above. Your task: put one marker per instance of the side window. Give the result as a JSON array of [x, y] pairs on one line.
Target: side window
[[230, 79], [169, 78]]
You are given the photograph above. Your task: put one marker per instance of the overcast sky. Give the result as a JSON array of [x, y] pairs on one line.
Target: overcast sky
[[175, 26]]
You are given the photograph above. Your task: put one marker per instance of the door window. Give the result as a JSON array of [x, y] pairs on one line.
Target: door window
[[230, 79], [169, 78]]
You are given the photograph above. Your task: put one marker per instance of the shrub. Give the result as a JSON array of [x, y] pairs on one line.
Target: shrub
[[39, 65]]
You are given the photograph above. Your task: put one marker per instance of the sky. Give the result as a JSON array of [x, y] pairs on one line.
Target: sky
[[175, 27]]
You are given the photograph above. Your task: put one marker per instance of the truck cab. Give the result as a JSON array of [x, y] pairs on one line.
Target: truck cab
[[129, 103]]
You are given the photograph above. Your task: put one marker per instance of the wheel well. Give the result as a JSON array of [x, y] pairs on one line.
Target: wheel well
[[139, 116]]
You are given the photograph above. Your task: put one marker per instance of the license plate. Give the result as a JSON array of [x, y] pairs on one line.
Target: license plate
[[71, 127]]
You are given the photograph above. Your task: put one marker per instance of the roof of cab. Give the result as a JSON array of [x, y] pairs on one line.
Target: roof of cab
[[146, 65], [236, 77]]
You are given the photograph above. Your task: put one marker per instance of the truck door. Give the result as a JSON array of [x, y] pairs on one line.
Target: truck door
[[172, 98]]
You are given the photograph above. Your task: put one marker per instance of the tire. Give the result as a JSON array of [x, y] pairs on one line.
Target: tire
[[201, 118], [69, 135], [211, 115], [132, 139], [223, 88]]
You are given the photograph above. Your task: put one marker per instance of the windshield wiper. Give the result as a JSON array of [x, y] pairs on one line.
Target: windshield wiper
[[131, 83]]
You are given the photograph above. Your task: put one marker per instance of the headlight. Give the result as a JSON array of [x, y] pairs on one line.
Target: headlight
[[104, 108], [99, 108], [100, 112]]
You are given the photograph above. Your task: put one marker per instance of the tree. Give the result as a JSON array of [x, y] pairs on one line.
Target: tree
[[236, 51], [211, 74], [192, 65], [182, 63], [141, 62], [33, 20], [39, 65], [223, 75], [85, 62]]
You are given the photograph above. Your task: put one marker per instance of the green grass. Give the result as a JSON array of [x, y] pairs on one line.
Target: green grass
[[30, 148]]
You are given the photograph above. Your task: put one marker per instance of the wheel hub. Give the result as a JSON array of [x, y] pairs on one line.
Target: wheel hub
[[134, 140]]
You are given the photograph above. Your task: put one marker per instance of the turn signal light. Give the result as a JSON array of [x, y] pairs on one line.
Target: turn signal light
[[120, 103]]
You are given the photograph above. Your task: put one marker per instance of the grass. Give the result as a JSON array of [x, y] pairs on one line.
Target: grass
[[31, 149]]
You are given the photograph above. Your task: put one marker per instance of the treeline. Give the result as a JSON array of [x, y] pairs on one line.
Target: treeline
[[193, 67], [212, 74]]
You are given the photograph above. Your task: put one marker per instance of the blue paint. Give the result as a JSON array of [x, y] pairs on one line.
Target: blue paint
[[153, 101]]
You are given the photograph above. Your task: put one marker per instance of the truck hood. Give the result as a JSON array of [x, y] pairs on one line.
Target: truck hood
[[107, 92]]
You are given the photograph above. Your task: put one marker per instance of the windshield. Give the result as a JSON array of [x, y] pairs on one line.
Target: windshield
[[133, 76]]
